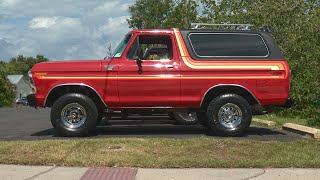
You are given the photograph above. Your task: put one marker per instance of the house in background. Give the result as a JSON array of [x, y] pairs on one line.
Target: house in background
[[20, 85]]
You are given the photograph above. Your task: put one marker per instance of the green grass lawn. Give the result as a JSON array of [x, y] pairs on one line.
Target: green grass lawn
[[162, 153], [282, 120]]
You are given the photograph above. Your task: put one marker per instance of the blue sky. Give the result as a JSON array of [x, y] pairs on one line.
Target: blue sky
[[61, 29]]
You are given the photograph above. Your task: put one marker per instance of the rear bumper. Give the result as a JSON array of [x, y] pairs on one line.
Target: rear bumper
[[288, 104], [32, 100], [258, 109]]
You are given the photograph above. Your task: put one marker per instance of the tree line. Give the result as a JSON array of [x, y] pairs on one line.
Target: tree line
[[19, 65], [295, 25]]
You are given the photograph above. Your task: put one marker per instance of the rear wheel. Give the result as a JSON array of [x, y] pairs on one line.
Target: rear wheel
[[186, 118], [229, 115], [74, 115]]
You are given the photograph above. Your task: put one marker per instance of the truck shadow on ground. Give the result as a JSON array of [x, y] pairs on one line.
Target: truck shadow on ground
[[132, 130], [167, 129]]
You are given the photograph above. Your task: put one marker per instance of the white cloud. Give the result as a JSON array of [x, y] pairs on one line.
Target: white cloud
[[47, 7], [9, 3], [112, 26], [64, 29], [42, 22], [107, 10]]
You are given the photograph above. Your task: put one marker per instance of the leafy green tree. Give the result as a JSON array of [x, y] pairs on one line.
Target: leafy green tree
[[6, 90], [154, 14], [22, 64]]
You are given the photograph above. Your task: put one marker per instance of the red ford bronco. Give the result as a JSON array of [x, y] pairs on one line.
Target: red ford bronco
[[223, 75]]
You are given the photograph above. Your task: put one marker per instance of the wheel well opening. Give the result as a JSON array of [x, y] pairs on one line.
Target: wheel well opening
[[59, 91], [217, 91]]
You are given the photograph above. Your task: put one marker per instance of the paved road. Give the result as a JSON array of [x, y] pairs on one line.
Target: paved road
[[30, 124]]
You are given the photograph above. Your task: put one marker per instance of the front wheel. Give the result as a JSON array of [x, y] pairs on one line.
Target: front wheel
[[229, 115], [74, 115]]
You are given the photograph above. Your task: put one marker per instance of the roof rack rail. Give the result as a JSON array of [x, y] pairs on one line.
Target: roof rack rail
[[241, 26]]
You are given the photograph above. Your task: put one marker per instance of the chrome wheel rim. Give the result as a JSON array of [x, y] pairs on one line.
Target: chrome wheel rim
[[189, 117], [230, 116], [73, 115]]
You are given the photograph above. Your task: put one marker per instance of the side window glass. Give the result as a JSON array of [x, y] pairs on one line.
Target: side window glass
[[122, 46], [132, 54], [153, 47], [228, 45]]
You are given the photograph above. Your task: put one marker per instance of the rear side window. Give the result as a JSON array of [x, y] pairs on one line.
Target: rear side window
[[228, 45]]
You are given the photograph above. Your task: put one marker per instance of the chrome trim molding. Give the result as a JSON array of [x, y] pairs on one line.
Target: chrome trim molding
[[237, 85], [73, 84]]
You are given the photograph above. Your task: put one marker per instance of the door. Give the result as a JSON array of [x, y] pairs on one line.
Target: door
[[157, 84]]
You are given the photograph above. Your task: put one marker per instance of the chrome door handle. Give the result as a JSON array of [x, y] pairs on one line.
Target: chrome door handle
[[109, 67], [169, 66]]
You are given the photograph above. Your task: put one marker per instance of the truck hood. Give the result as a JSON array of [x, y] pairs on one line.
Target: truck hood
[[78, 65]]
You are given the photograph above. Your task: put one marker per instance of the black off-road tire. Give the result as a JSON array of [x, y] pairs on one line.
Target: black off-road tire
[[192, 120], [89, 125], [238, 104]]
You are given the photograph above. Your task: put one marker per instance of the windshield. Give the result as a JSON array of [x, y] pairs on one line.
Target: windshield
[[122, 46]]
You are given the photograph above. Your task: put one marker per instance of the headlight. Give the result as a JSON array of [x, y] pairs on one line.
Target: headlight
[[34, 90], [30, 74]]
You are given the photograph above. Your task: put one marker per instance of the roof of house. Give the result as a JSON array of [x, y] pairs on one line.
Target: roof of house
[[14, 79]]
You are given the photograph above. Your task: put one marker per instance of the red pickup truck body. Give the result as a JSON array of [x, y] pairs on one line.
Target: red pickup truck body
[[186, 80]]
